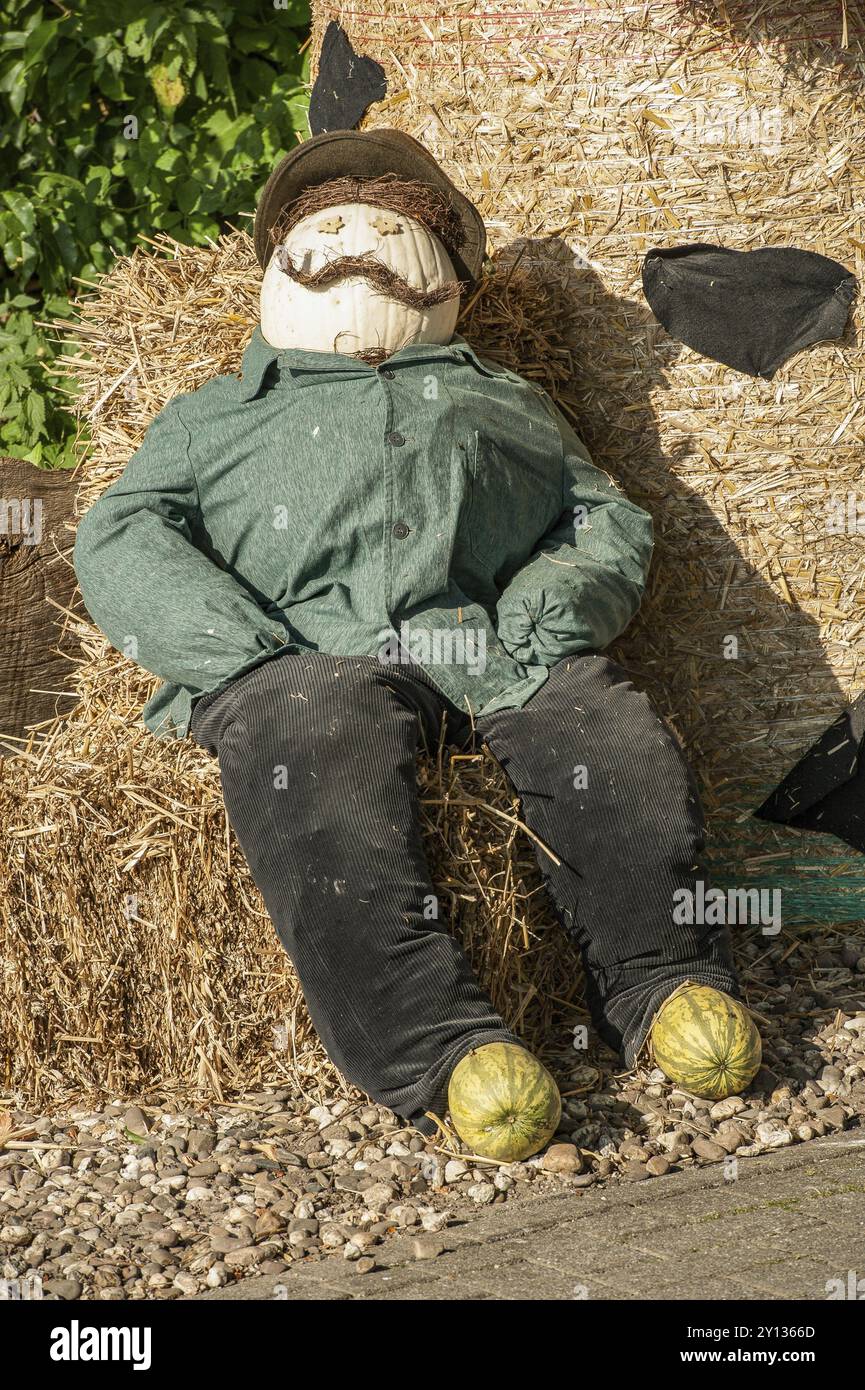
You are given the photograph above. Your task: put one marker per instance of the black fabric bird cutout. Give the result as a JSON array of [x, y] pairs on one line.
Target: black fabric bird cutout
[[826, 789], [751, 310], [347, 83]]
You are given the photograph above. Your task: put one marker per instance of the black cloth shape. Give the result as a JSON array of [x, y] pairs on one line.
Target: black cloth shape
[[750, 310], [826, 789], [345, 86]]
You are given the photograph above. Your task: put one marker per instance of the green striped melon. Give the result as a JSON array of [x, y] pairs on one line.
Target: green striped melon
[[503, 1102], [706, 1042]]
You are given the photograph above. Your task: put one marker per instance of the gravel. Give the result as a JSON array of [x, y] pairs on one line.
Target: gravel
[[143, 1201]]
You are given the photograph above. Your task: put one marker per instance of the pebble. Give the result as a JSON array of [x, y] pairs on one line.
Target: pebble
[[268, 1224], [773, 1134], [242, 1258], [634, 1151], [562, 1158], [674, 1139], [482, 1193], [332, 1237], [432, 1220], [62, 1288], [658, 1166], [206, 1169], [165, 1238], [727, 1108], [634, 1171], [708, 1150], [134, 1121], [834, 1116], [427, 1248], [15, 1235], [404, 1215], [379, 1195]]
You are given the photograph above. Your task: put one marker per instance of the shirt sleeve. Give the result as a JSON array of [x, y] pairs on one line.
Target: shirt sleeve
[[157, 597], [585, 580]]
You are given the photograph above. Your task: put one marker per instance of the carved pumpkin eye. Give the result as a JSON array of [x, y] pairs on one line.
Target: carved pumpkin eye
[[331, 225]]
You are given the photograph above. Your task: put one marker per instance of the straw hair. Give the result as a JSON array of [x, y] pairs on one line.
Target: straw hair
[[137, 955]]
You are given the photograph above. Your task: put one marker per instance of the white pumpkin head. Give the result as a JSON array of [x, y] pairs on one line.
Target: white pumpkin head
[[352, 316]]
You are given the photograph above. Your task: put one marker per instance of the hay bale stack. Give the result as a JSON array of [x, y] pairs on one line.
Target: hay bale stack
[[137, 956], [588, 135]]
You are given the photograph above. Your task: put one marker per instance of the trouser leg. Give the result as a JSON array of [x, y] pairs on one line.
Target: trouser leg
[[317, 760], [604, 783]]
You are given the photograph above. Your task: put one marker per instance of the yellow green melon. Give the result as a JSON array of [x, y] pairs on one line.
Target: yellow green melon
[[503, 1102], [706, 1042]]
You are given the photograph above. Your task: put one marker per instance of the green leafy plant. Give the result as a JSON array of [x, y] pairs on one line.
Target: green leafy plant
[[120, 119]]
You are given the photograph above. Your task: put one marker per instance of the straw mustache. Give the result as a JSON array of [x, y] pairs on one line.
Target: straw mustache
[[382, 278]]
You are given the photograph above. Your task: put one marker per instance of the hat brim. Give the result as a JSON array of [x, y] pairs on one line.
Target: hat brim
[[366, 154]]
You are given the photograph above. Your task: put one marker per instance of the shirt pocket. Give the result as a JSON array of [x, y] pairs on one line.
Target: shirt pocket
[[512, 502]]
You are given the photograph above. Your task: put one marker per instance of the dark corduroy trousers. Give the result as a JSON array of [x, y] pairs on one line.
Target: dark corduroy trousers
[[317, 761]]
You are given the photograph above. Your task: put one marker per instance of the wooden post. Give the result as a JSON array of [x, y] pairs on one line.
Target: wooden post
[[35, 566]]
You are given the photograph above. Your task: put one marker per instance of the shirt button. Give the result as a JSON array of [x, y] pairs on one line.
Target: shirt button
[[386, 371], [395, 438], [400, 530]]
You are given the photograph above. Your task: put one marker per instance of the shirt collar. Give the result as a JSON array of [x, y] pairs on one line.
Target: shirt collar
[[299, 366]]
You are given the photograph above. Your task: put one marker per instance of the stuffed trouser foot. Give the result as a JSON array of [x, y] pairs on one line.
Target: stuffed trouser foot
[[603, 782], [317, 758]]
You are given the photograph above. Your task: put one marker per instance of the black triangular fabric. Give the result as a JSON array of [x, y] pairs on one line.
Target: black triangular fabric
[[826, 789], [750, 310], [345, 86]]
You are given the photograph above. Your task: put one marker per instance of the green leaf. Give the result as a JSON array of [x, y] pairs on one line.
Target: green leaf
[[188, 195], [34, 413], [138, 40], [97, 183], [22, 208], [75, 192], [12, 82], [39, 41]]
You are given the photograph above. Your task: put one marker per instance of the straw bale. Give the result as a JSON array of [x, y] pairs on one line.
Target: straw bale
[[588, 134], [137, 956]]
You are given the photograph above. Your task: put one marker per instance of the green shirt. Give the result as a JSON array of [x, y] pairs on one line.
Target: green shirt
[[436, 508]]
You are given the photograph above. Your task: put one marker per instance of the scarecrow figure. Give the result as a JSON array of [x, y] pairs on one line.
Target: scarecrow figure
[[375, 527]]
